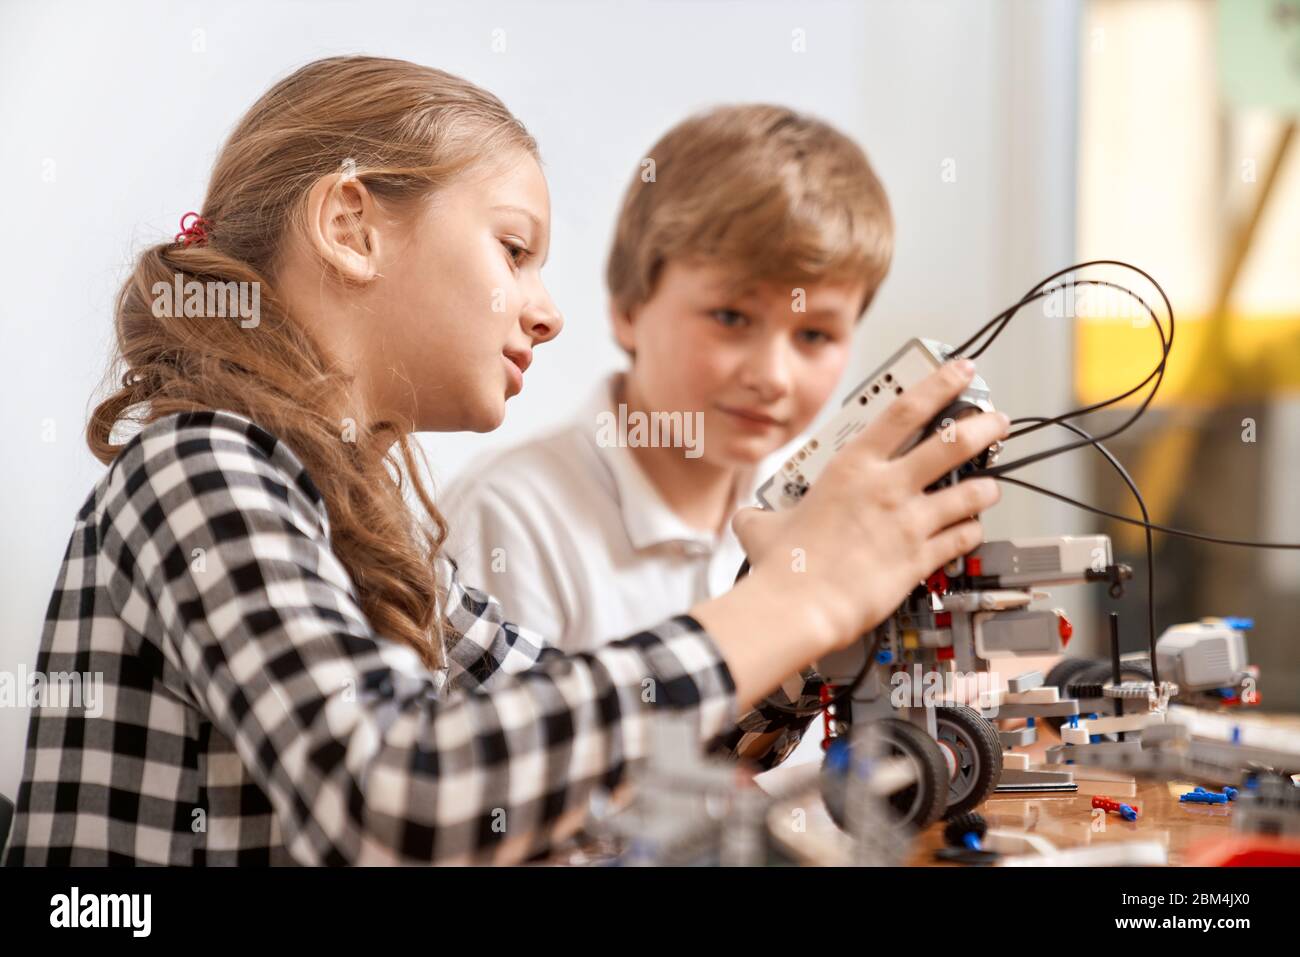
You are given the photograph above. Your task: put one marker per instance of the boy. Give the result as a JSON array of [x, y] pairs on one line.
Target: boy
[[747, 247]]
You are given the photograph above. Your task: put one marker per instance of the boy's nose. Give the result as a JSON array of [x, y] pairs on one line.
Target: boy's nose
[[767, 371]]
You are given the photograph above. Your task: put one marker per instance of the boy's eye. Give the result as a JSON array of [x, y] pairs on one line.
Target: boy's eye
[[728, 317], [813, 336]]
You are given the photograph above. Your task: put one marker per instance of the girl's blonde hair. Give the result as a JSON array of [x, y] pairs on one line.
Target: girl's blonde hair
[[404, 130]]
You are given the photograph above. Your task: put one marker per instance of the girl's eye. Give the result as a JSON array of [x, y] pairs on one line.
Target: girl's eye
[[814, 336], [728, 317], [516, 252]]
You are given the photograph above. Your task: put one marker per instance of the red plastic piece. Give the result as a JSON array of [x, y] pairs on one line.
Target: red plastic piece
[[945, 654], [824, 695], [1065, 628], [937, 583], [1109, 804], [974, 566], [943, 619]]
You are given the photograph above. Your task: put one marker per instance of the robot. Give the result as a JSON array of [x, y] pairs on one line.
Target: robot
[[965, 621], [966, 616]]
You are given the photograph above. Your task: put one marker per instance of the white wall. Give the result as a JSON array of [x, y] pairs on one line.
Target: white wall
[[112, 118]]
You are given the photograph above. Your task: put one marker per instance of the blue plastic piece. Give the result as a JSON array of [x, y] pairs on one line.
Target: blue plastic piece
[[972, 841], [1228, 792], [1236, 734], [1074, 721], [837, 756], [1238, 623], [884, 656], [1094, 739], [1127, 813], [1029, 722], [1200, 796]]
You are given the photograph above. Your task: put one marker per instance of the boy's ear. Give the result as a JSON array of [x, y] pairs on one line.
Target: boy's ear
[[622, 320], [342, 226]]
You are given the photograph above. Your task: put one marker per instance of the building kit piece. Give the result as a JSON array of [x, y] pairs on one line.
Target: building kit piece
[[1196, 745], [688, 809], [1207, 660], [1202, 796], [1128, 812]]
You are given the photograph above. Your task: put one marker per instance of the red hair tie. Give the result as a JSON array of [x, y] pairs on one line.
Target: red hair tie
[[195, 232]]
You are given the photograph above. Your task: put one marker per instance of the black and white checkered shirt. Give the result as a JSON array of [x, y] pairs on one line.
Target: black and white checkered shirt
[[250, 714]]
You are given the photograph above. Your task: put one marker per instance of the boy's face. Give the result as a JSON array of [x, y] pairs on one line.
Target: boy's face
[[758, 361]]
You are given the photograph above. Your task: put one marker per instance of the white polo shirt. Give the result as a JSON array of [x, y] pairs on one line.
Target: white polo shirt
[[576, 543]]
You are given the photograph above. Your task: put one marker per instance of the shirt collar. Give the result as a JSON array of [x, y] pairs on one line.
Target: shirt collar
[[646, 516]]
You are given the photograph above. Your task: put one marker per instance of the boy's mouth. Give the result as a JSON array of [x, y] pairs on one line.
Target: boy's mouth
[[753, 417]]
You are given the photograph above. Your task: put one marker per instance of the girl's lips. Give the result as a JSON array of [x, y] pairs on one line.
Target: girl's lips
[[514, 374]]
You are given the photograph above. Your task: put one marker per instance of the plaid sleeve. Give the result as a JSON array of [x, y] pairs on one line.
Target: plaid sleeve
[[219, 541], [487, 648], [767, 735], [490, 648]]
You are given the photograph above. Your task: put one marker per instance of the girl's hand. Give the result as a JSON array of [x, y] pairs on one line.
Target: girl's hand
[[867, 532]]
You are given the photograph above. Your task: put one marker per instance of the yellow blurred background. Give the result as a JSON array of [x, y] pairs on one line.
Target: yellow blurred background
[[1188, 166]]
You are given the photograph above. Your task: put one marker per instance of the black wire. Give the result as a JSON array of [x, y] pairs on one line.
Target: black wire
[[1004, 318], [1155, 526], [1166, 345], [998, 472], [1146, 517]]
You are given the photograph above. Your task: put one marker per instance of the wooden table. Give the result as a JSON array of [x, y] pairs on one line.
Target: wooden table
[[1067, 820]]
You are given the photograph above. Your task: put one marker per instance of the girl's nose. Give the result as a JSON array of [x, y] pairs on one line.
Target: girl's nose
[[542, 320]]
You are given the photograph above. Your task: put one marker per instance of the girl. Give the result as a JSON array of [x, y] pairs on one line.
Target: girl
[[293, 672]]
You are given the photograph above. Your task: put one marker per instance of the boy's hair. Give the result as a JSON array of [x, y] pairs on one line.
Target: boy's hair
[[777, 194]]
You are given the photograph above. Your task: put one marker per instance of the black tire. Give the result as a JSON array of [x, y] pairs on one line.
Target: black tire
[[1100, 674], [1063, 673], [976, 753], [1066, 670], [919, 804], [1072, 674]]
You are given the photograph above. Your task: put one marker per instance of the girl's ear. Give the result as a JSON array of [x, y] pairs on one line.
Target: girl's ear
[[343, 227], [622, 321]]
